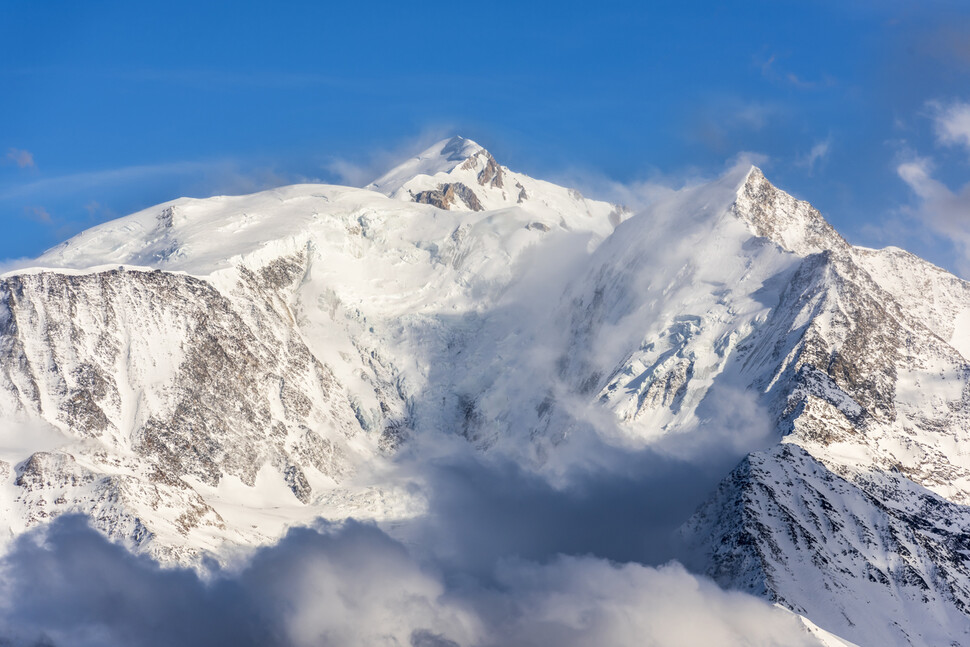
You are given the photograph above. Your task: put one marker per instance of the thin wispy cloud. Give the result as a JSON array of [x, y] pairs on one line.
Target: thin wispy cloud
[[97, 211], [945, 211], [655, 186], [206, 177], [805, 84], [951, 123], [815, 156], [725, 122], [754, 114], [942, 210], [361, 170], [75, 181], [943, 41], [773, 71], [38, 214], [22, 158]]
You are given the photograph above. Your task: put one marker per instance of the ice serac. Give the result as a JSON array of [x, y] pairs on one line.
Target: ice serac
[[201, 374]]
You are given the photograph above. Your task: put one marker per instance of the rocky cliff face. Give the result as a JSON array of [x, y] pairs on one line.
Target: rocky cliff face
[[201, 374], [869, 554], [172, 381]]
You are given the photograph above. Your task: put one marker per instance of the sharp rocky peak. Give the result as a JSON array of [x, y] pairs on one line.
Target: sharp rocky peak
[[793, 224]]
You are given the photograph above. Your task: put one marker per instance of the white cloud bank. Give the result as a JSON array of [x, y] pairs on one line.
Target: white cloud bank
[[353, 586]]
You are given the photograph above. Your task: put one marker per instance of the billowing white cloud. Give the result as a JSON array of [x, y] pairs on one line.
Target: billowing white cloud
[[352, 585], [574, 602]]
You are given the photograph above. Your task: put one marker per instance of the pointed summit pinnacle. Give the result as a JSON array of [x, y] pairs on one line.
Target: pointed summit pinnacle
[[795, 225]]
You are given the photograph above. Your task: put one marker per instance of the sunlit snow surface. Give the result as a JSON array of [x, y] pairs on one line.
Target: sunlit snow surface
[[562, 345]]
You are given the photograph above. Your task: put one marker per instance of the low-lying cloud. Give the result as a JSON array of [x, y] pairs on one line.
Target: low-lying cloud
[[353, 585]]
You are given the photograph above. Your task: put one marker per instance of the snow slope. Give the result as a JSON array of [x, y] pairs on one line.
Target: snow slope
[[159, 349], [201, 374]]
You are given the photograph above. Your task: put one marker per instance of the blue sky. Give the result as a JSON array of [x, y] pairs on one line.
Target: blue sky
[[109, 107]]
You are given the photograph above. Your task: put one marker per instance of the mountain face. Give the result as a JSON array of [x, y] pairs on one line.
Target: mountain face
[[197, 376]]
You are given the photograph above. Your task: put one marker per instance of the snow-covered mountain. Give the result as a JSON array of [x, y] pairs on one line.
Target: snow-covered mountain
[[201, 374]]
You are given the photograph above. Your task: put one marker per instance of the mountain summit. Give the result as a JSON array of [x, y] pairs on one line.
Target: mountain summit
[[459, 175], [442, 157], [202, 374]]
